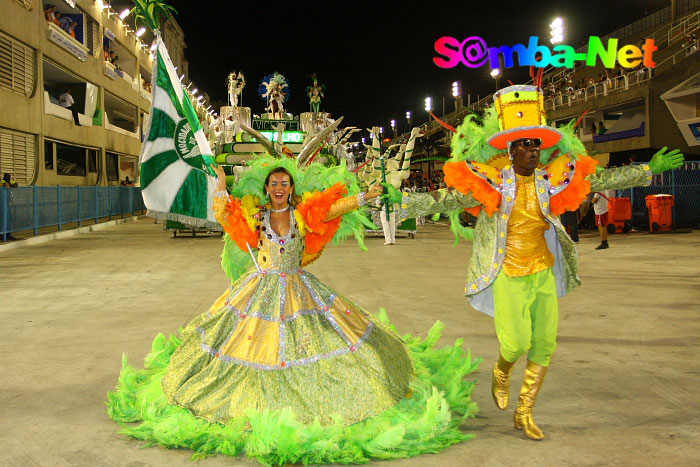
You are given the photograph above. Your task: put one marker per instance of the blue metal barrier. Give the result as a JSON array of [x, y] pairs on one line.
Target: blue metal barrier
[[32, 207], [683, 183]]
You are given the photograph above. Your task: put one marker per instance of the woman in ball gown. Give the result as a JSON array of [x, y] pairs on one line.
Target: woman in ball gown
[[282, 367]]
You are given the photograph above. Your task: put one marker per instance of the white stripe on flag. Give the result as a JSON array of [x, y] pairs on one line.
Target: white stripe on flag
[[155, 147], [163, 102], [202, 142], [160, 193]]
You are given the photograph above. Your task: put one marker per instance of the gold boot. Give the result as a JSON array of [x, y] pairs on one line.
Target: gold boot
[[522, 417], [500, 382]]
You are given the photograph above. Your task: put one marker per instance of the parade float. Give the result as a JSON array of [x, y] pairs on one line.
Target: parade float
[[237, 135]]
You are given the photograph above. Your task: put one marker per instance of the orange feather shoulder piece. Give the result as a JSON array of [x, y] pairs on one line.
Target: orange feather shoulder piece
[[240, 224], [314, 209], [477, 180], [571, 197]]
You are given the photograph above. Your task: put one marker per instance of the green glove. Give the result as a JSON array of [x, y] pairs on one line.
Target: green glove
[[662, 162], [391, 194]]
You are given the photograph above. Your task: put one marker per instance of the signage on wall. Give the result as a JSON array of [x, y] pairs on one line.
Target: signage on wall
[[109, 34], [66, 43], [271, 125]]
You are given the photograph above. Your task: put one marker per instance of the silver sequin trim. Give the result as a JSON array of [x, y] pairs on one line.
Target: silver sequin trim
[[290, 364]]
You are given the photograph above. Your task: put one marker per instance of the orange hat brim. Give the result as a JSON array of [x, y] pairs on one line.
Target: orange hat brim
[[549, 136]]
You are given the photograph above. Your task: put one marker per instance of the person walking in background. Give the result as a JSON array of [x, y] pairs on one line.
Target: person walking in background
[[600, 207], [8, 182], [66, 100]]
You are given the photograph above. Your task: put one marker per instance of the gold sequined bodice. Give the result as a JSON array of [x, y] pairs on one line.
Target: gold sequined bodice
[[526, 247], [280, 252]]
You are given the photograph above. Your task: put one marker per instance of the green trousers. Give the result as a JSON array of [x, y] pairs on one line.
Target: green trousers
[[526, 315]]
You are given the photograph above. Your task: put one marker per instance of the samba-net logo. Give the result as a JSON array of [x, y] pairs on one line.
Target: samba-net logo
[[474, 53]]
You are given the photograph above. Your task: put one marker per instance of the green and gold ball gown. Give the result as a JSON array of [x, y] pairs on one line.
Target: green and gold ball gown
[[284, 369]]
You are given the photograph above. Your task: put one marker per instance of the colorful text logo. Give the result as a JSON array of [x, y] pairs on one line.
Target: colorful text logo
[[474, 53]]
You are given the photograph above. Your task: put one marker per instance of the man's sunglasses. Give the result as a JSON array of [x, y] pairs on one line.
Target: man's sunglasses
[[531, 142]]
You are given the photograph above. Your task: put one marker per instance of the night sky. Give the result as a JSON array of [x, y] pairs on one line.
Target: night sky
[[375, 61]]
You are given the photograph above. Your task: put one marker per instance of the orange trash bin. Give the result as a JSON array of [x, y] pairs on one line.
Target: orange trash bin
[[660, 212], [619, 215]]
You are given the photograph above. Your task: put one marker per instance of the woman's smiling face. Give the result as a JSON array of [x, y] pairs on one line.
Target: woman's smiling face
[[279, 188]]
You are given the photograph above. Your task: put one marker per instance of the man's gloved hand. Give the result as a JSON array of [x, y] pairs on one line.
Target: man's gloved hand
[[662, 162], [391, 194]]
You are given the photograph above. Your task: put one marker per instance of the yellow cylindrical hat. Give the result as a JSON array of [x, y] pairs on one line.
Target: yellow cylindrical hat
[[521, 115]]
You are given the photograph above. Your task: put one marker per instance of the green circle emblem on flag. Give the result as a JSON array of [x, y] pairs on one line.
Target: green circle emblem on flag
[[186, 146]]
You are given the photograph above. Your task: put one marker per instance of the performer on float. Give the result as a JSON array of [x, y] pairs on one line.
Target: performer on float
[[275, 89], [282, 367], [236, 83], [518, 175], [315, 93]]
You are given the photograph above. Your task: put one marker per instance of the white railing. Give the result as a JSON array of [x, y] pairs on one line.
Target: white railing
[[689, 24], [609, 86]]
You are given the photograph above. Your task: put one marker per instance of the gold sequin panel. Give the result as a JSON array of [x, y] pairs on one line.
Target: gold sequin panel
[[526, 247], [307, 348]]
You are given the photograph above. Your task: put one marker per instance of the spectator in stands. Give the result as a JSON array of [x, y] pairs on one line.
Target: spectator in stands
[[127, 182], [601, 128], [115, 62], [68, 25], [111, 57], [600, 207], [50, 13], [593, 130], [692, 44], [66, 100], [57, 18], [8, 182]]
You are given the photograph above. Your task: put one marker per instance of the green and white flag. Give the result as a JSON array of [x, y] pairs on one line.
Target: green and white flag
[[175, 180]]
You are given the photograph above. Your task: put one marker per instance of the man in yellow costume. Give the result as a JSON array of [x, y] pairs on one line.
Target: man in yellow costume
[[518, 175]]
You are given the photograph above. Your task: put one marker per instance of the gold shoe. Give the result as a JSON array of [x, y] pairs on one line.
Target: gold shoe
[[522, 417], [500, 382]]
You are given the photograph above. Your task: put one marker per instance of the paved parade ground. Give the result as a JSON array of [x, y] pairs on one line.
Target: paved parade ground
[[623, 387]]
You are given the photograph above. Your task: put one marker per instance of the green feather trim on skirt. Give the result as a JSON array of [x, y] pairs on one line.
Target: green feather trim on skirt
[[426, 422]]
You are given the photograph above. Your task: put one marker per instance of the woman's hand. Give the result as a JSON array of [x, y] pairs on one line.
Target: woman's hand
[[373, 192], [221, 178]]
